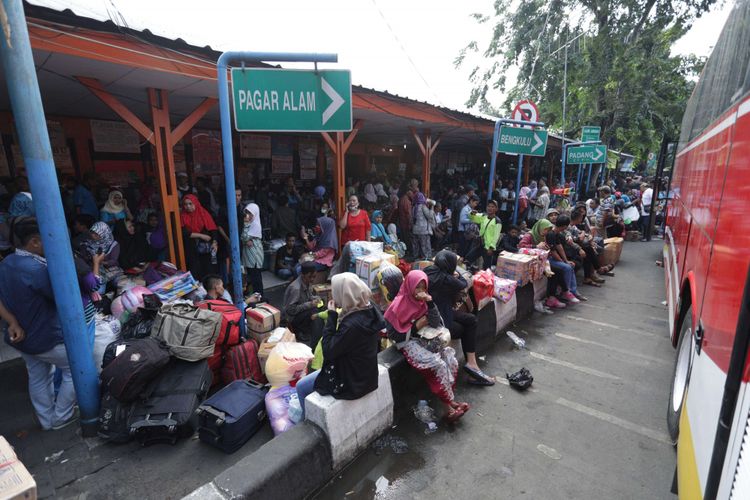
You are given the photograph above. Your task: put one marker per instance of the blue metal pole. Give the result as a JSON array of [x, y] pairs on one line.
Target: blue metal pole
[[28, 113], [226, 143], [588, 179], [493, 160], [564, 161], [518, 188], [579, 178]]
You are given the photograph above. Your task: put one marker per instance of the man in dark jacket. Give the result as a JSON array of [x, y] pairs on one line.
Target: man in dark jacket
[[301, 307], [445, 285]]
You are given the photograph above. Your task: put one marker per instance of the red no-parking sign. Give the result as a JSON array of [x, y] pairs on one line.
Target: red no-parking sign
[[525, 111]]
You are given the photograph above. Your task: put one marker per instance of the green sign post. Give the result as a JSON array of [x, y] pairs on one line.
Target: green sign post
[[524, 141], [291, 100], [590, 133], [586, 154]]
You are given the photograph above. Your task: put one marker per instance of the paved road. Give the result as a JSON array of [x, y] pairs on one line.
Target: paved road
[[593, 426]]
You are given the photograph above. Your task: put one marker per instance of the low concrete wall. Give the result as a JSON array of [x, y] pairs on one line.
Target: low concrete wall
[[300, 461]]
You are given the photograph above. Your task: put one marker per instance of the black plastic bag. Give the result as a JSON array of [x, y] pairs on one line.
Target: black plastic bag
[[521, 379], [138, 325]]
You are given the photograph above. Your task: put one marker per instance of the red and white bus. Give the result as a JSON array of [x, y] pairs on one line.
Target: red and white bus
[[706, 262]]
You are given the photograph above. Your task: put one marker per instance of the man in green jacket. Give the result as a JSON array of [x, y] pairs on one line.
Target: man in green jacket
[[490, 227]]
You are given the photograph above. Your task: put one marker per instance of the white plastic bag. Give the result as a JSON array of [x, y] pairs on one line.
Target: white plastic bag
[[287, 362], [107, 331]]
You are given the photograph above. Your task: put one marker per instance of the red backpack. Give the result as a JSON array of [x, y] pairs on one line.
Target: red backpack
[[241, 362], [229, 332]]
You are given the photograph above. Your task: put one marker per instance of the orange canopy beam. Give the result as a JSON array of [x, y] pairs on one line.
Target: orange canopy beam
[[427, 147], [194, 117]]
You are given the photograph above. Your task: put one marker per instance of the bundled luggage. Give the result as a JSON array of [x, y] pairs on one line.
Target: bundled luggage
[[229, 418], [127, 376], [229, 333], [114, 419], [168, 413], [189, 332]]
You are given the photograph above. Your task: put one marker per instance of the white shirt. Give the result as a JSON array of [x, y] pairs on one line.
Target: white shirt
[[646, 201]]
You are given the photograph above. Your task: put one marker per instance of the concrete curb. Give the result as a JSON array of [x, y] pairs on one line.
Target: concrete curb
[[300, 461]]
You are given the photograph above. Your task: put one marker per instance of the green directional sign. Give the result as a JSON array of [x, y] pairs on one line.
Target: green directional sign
[[523, 141], [291, 100], [590, 133], [587, 154]]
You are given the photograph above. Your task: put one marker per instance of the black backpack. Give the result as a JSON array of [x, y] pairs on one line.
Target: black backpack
[[128, 375]]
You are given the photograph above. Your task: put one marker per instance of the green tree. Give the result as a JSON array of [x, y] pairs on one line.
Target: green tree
[[620, 73]]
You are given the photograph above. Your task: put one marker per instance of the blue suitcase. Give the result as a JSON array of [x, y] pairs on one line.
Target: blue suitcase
[[229, 418]]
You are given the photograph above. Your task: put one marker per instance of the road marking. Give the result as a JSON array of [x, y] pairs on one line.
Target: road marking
[[550, 452], [567, 364], [586, 304], [606, 417], [615, 327], [615, 349]]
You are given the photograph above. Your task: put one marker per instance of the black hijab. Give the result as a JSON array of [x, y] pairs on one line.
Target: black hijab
[[133, 247], [446, 261]]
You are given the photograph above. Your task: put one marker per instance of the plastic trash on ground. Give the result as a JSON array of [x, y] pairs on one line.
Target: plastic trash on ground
[[519, 342], [521, 380], [426, 414], [398, 445]]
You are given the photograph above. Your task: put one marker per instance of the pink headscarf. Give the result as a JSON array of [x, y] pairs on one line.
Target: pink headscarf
[[524, 192], [405, 308]]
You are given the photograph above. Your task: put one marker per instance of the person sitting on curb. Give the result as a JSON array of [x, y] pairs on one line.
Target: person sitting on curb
[[510, 240], [411, 312], [301, 307], [445, 285], [35, 329], [536, 239], [287, 258], [558, 260], [350, 344]]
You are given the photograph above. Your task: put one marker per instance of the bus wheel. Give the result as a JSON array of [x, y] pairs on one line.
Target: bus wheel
[[682, 366]]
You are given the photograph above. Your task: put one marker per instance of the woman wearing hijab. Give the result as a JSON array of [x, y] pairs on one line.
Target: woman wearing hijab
[[134, 249], [325, 244], [199, 233], [398, 246], [370, 195], [424, 224], [252, 247], [350, 344], [102, 242], [22, 205], [445, 286], [524, 195], [115, 209], [378, 232], [536, 239], [408, 315], [533, 190]]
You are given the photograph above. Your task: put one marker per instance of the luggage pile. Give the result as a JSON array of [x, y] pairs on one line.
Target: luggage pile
[[155, 381]]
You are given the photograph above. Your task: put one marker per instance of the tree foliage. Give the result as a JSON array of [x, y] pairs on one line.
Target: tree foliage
[[620, 73]]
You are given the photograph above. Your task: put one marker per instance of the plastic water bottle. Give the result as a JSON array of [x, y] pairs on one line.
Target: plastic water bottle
[[213, 256], [295, 409], [520, 343], [425, 414]]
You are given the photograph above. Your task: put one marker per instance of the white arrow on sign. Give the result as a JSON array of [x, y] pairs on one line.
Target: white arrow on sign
[[598, 153], [336, 100], [538, 143]]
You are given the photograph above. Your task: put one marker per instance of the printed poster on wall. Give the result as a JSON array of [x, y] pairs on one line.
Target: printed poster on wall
[[255, 146], [114, 137], [206, 152], [282, 165], [308, 169], [308, 149], [282, 145]]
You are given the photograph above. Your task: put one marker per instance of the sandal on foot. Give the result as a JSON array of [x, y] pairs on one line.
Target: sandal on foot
[[591, 282], [453, 416], [478, 377], [464, 407]]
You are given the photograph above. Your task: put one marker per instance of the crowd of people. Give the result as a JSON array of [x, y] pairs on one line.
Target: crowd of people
[[116, 231]]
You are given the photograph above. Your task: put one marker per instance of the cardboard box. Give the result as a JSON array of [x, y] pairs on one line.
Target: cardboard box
[[15, 481], [612, 251], [367, 267], [267, 346], [515, 266], [323, 291], [263, 318]]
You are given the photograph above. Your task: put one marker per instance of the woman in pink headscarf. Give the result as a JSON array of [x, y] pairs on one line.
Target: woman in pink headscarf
[[412, 321], [523, 204]]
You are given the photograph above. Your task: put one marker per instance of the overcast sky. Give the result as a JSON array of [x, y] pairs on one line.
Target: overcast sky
[[406, 47]]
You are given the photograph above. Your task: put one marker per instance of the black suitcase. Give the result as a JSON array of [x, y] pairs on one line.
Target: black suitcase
[[114, 419], [127, 377], [168, 413], [229, 418]]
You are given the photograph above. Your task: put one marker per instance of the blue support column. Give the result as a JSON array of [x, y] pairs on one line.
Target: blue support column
[[493, 160], [588, 178], [518, 188], [226, 144], [564, 162], [28, 113]]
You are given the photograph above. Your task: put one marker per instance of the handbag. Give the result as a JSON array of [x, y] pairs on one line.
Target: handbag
[[434, 339]]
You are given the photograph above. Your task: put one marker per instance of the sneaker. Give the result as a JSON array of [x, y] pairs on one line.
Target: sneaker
[[553, 303], [581, 297], [570, 297], [73, 419]]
